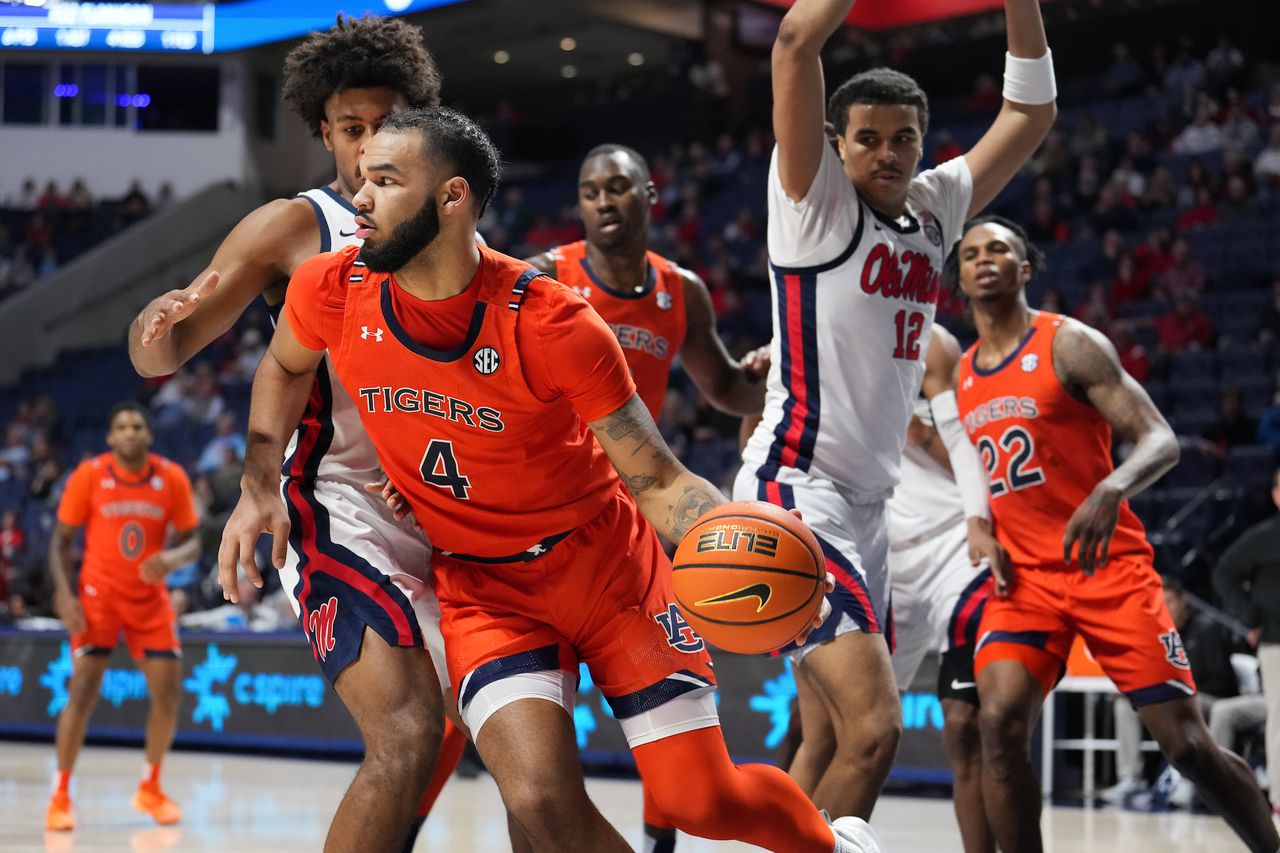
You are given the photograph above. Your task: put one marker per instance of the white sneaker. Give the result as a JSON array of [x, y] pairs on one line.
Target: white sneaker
[[1118, 793], [1183, 793], [855, 835]]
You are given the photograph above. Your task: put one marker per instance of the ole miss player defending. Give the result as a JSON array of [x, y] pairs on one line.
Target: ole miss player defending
[[856, 243], [358, 581], [656, 309], [127, 501], [504, 413], [1040, 395]]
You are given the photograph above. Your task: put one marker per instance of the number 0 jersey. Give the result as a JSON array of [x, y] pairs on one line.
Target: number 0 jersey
[[854, 295], [492, 462], [1043, 449], [126, 516]]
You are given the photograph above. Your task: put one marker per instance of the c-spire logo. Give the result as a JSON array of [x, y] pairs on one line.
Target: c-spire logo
[[376, 334], [211, 706]]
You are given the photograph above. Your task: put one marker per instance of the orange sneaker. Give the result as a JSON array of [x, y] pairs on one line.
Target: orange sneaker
[[150, 799], [58, 817]]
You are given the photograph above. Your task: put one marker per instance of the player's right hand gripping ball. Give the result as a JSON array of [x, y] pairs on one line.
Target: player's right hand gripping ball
[[749, 577]]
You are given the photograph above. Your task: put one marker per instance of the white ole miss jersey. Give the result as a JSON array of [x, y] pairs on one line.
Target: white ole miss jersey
[[330, 442], [926, 501], [854, 295]]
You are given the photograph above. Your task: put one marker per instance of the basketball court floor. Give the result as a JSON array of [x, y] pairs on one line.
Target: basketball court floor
[[254, 804]]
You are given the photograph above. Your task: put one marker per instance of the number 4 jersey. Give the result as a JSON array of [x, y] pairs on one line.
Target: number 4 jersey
[[854, 294], [1044, 450]]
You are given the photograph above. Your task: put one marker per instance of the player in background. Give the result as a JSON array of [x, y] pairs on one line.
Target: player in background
[[939, 581], [128, 502], [1040, 395], [503, 411], [857, 242], [656, 309], [358, 580]]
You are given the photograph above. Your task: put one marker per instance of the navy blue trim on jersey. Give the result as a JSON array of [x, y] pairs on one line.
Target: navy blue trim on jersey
[[528, 555], [655, 695], [331, 193], [812, 390], [403, 336], [833, 263], [973, 359], [95, 651], [326, 240], [143, 480], [171, 654], [650, 282], [970, 628], [1162, 692], [912, 226], [1035, 639], [542, 659], [521, 288], [356, 608]]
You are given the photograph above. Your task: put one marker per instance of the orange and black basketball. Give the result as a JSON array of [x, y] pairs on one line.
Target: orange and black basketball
[[749, 577]]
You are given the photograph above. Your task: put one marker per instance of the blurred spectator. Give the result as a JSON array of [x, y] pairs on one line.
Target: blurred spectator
[[1272, 110], [1155, 254], [51, 201], [165, 197], [48, 263], [1202, 136], [1090, 138], [1129, 285], [1197, 180], [12, 541], [1133, 355], [226, 436], [21, 272], [39, 231], [1225, 64], [133, 206], [1125, 75], [1266, 168], [75, 219], [1095, 310], [1239, 204], [1184, 276], [1162, 190], [1051, 300], [1129, 181], [1185, 74], [1113, 212], [1053, 159], [205, 404], [16, 454], [514, 215], [1185, 327], [945, 148], [1045, 227], [1234, 426], [985, 96], [26, 198], [249, 351]]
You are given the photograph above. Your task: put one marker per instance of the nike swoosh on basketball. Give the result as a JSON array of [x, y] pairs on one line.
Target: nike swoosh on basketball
[[761, 591], [962, 685], [346, 234]]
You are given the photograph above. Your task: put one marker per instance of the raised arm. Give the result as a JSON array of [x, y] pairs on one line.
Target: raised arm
[[1088, 367], [261, 251], [280, 390], [1029, 108], [799, 93], [723, 381], [668, 494]]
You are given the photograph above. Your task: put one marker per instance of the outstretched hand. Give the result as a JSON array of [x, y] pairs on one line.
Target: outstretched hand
[[167, 310]]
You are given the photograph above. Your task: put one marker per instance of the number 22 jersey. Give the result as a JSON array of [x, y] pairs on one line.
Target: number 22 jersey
[[1043, 449]]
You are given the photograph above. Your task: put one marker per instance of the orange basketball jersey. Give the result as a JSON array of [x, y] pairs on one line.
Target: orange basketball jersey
[[649, 323], [126, 517], [1043, 449], [490, 469]]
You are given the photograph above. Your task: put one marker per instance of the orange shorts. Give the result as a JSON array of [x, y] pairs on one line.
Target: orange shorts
[[149, 626], [602, 596], [1119, 613]]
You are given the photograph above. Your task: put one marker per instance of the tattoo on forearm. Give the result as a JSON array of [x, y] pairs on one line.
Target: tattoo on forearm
[[689, 508], [639, 483]]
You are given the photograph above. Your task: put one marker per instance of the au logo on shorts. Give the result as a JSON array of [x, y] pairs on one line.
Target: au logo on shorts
[[1173, 650], [680, 636], [486, 360]]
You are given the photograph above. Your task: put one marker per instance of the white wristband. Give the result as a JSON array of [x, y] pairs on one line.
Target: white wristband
[[1029, 81]]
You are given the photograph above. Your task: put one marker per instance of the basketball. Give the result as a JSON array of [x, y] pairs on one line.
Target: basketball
[[749, 577]]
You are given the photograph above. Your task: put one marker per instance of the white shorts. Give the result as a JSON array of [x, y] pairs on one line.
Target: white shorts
[[937, 598], [350, 565], [855, 542]]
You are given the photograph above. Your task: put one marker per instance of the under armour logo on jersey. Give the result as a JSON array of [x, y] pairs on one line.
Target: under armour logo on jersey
[[157, 483], [107, 483], [680, 636], [537, 550], [664, 300], [376, 334], [1030, 362], [486, 360], [320, 623], [1174, 651], [583, 291], [968, 383]]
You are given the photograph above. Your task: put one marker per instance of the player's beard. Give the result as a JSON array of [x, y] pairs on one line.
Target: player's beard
[[405, 242]]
